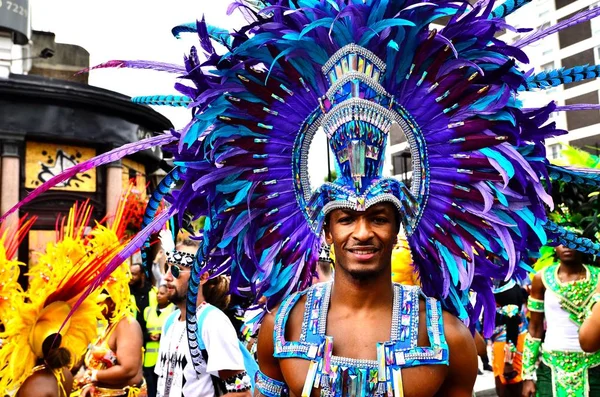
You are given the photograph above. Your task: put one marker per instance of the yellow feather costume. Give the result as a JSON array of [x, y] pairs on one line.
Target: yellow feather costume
[[403, 271], [63, 272]]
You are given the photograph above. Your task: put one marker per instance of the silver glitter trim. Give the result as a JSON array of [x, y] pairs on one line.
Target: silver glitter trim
[[359, 109], [378, 88], [353, 49]]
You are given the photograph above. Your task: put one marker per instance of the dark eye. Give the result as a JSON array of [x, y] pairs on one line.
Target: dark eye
[[380, 220], [345, 220]]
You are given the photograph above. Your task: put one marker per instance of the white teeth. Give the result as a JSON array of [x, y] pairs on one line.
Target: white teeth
[[364, 252]]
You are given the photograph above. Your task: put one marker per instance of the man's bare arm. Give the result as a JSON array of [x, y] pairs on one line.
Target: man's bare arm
[[589, 333], [462, 371], [536, 321], [268, 364]]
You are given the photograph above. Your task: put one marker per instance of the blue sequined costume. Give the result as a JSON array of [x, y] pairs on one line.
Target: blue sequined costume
[[339, 376]]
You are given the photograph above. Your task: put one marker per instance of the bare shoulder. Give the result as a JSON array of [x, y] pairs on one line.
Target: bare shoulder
[[537, 285], [456, 332], [293, 324], [129, 324], [41, 384], [462, 371]]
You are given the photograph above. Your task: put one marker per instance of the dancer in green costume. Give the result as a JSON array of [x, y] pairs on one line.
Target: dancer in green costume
[[560, 295]]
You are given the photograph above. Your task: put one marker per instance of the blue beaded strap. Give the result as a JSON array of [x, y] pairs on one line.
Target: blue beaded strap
[[308, 345], [437, 353], [404, 333], [270, 387]]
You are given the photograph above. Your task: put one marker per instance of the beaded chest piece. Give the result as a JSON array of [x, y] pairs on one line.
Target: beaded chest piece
[[341, 376], [573, 296]]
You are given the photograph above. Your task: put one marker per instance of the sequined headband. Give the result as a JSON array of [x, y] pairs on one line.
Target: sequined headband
[[181, 258]]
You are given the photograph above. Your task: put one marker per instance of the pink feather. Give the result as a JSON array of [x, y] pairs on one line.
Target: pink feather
[[105, 158]]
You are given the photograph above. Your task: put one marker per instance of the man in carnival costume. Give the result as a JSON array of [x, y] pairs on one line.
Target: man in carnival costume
[[560, 299], [475, 210]]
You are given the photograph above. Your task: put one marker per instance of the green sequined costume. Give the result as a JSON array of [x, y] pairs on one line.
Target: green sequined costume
[[566, 373]]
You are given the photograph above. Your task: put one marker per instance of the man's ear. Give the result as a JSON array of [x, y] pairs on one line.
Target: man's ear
[[327, 232], [204, 278]]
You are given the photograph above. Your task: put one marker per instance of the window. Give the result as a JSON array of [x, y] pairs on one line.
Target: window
[[555, 151], [543, 26], [562, 3], [574, 34], [402, 166], [548, 66], [586, 57], [583, 118], [544, 14], [547, 51]]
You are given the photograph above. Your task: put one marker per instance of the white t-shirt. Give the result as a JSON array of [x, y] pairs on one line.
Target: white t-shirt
[[223, 349]]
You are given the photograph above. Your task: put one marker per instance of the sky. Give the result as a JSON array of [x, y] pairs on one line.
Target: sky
[[141, 30]]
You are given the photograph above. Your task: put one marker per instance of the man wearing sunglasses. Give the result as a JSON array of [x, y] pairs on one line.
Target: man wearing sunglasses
[[223, 372]]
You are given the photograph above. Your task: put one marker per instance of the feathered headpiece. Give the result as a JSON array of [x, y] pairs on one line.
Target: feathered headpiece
[[475, 209], [52, 312], [11, 237]]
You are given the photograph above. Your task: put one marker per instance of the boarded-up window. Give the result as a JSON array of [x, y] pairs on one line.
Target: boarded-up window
[[563, 3], [583, 58], [584, 118], [574, 34]]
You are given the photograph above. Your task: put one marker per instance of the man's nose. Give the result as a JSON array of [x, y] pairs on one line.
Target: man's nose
[[362, 229]]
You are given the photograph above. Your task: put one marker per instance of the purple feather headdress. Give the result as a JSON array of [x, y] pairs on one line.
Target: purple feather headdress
[[476, 207]]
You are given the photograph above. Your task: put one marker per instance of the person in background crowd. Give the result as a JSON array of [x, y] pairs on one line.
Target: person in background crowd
[[508, 338], [144, 295], [158, 268], [155, 317], [113, 363], [222, 361], [559, 294]]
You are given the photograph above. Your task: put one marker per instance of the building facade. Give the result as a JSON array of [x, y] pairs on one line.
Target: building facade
[[51, 119], [577, 45]]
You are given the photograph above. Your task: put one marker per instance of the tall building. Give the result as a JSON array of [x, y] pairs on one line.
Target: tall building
[[576, 45]]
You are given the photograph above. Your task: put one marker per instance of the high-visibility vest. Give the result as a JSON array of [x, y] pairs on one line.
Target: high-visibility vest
[[154, 324]]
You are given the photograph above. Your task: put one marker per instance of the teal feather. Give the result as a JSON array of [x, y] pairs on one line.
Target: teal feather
[[500, 159], [241, 196], [477, 234], [501, 197], [325, 22], [377, 12], [163, 100], [449, 261], [538, 227], [462, 314], [381, 25]]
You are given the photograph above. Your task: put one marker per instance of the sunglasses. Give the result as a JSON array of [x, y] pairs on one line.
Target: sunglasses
[[175, 270]]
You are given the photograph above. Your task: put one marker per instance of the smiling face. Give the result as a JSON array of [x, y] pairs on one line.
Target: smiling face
[[363, 240], [567, 255]]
